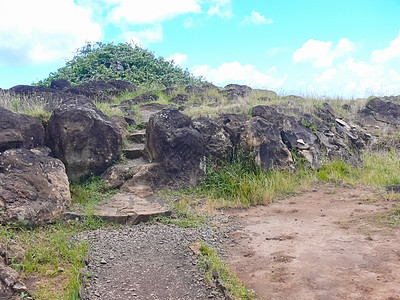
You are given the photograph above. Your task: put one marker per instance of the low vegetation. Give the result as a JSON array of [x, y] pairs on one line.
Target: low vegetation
[[50, 252], [51, 256], [124, 61], [240, 183], [211, 264]]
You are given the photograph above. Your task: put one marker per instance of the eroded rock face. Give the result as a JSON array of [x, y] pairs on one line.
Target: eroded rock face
[[218, 145], [19, 131], [264, 139], [383, 111], [174, 144], [34, 189], [235, 91], [86, 140]]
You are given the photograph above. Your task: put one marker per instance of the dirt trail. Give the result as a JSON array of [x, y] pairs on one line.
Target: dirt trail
[[323, 244]]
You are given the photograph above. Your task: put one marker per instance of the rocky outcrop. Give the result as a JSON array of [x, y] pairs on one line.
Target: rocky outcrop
[[218, 146], [235, 91], [34, 188], [384, 111], [86, 140], [95, 90], [60, 84], [263, 138], [11, 284], [19, 131], [175, 145], [143, 98]]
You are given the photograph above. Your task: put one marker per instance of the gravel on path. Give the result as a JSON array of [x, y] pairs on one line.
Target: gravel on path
[[147, 262]]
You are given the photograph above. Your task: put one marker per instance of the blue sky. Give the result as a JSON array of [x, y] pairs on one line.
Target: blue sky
[[308, 47]]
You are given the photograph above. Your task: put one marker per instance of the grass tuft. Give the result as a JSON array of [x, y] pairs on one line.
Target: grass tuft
[[210, 262]]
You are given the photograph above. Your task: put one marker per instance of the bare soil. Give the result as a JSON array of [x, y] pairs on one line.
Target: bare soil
[[327, 243]]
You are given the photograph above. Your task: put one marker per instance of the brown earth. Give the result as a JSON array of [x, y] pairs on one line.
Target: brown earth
[[327, 243]]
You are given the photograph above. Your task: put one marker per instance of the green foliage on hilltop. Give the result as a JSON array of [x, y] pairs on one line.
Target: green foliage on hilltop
[[106, 61]]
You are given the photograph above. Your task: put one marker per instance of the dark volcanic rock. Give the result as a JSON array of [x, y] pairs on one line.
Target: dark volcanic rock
[[180, 99], [143, 98], [216, 139], [233, 124], [193, 89], [34, 189], [85, 139], [28, 89], [383, 111], [264, 138], [95, 90], [19, 131], [234, 91], [122, 86], [174, 143], [60, 84], [49, 98]]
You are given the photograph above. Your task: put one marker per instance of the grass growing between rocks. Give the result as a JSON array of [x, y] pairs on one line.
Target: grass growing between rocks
[[87, 194], [211, 263], [241, 183], [51, 256]]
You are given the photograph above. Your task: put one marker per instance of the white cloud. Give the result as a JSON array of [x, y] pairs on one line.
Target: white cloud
[[178, 58], [43, 30], [326, 76], [389, 53], [153, 34], [321, 53], [255, 18], [151, 11], [234, 72], [221, 8]]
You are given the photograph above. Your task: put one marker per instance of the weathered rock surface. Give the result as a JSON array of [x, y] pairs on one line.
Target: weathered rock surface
[[143, 98], [235, 91], [264, 139], [19, 131], [127, 208], [174, 143], [11, 285], [384, 111], [60, 84], [85, 139], [34, 189], [217, 141]]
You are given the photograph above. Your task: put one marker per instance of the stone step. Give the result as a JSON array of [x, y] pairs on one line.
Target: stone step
[[125, 208], [133, 150], [138, 136]]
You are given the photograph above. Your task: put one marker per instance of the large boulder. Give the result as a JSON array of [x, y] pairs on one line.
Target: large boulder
[[263, 138], [173, 143], [34, 188], [297, 137], [96, 90], [384, 111], [217, 141], [49, 98], [19, 131], [83, 138], [235, 91]]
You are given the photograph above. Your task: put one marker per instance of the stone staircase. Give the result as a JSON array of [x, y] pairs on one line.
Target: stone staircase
[[138, 204]]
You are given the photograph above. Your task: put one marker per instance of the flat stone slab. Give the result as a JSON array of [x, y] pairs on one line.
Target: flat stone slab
[[134, 151], [138, 136], [124, 208]]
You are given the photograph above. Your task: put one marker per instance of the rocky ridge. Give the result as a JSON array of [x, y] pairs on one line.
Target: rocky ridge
[[79, 141]]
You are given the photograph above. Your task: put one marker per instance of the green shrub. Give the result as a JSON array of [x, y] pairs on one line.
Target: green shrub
[[106, 61]]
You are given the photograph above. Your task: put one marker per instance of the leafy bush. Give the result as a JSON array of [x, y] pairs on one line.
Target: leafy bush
[[106, 61]]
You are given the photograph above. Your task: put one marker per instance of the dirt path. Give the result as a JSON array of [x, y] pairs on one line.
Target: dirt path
[[324, 244]]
